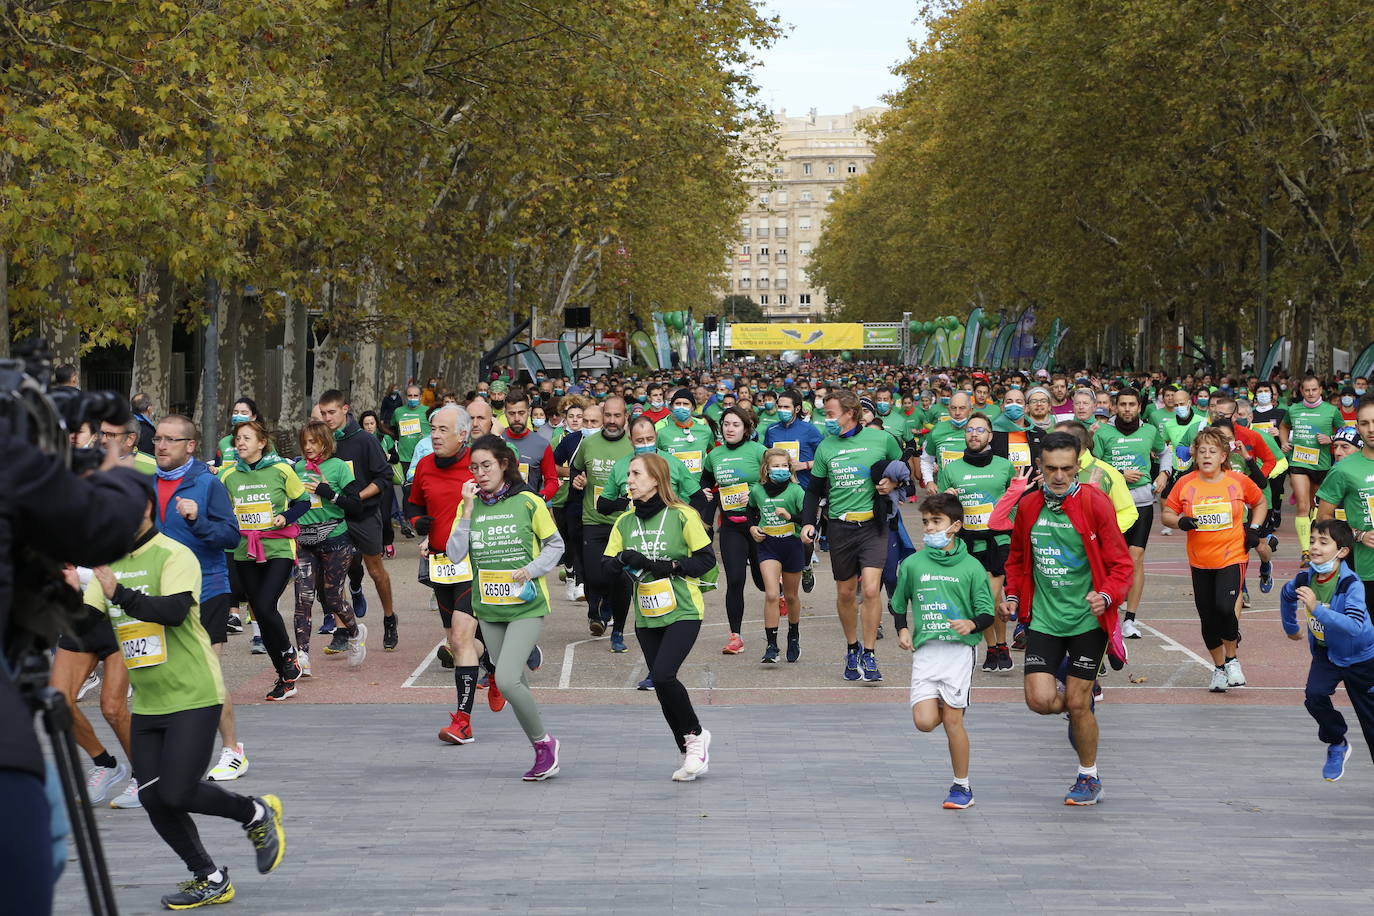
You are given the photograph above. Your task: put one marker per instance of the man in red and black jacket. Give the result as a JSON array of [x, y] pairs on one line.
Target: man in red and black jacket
[[1067, 570]]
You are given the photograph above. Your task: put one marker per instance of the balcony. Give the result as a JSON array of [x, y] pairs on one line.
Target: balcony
[[763, 283], [780, 283], [746, 233], [780, 232], [762, 233], [744, 282]]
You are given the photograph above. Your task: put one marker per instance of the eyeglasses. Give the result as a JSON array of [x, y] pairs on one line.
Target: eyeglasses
[[487, 466], [168, 440], [106, 436]]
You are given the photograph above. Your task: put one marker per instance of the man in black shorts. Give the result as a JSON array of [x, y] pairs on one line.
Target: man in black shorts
[[364, 456], [1066, 569]]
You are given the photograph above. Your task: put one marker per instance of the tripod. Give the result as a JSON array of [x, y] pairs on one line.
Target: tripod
[[57, 722]]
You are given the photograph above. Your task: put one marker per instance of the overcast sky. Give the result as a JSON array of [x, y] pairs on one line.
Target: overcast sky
[[835, 54]]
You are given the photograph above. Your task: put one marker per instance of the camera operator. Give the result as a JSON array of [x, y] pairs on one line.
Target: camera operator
[[90, 521]]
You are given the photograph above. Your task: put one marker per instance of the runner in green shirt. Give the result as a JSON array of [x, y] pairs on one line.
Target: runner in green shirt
[[945, 441], [644, 439], [730, 469], [244, 409], [1306, 437], [775, 506], [683, 436], [608, 597], [411, 422], [1349, 485]]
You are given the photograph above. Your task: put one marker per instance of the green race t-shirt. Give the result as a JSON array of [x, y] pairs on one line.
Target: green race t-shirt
[[1180, 435], [978, 489], [1062, 577], [597, 456], [170, 668], [734, 469], [1126, 451], [846, 462], [258, 496], [688, 445], [1305, 424], [503, 538], [412, 425], [685, 484], [1350, 486], [789, 500], [673, 534], [942, 586], [337, 474]]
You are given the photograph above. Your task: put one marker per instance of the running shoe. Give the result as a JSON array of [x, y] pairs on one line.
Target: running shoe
[[338, 645], [200, 892], [1306, 560], [823, 543], [581, 593], [256, 647], [1018, 637], [357, 646], [91, 683], [991, 659], [1098, 695], [458, 730], [646, 684], [880, 631], [1218, 684], [733, 646], [1244, 596], [570, 590], [959, 797], [129, 797], [390, 636], [290, 667], [281, 690], [1087, 790], [545, 760], [235, 624], [359, 602], [1129, 630], [100, 781], [389, 551], [595, 626], [869, 663], [851, 665], [1234, 676], [266, 834], [535, 660], [770, 655], [793, 648], [618, 642], [407, 532], [1266, 576], [1004, 662], [445, 655], [495, 701], [483, 680], [1334, 768], [327, 625], [808, 579], [303, 659], [698, 756], [1166, 531], [233, 763]]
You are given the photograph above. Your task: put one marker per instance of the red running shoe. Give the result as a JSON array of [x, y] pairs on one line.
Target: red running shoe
[[458, 731], [734, 647], [495, 702]]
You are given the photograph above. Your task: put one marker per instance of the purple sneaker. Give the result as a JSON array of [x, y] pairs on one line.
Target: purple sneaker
[[545, 760]]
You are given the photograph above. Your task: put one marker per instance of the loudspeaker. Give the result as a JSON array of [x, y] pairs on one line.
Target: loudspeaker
[[709, 324], [577, 317]]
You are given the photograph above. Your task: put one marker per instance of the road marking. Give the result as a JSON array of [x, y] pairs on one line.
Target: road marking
[[420, 669], [565, 676], [1173, 645], [866, 687]]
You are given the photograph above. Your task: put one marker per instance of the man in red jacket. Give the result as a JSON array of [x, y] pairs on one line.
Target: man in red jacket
[[1067, 570]]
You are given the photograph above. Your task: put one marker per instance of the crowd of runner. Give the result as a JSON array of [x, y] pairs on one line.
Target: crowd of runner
[[1038, 496]]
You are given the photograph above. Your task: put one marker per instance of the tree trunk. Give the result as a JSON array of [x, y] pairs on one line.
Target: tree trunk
[[230, 353], [64, 338], [1323, 343], [4, 303], [366, 370], [326, 374], [293, 410], [1302, 328], [153, 339], [252, 355]]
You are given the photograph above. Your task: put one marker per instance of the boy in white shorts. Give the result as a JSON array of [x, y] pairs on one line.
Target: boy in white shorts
[[953, 604]]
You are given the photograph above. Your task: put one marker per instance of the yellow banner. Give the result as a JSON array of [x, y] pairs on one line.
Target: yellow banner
[[796, 336]]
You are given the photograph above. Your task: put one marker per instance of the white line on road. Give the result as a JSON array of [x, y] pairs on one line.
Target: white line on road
[[1173, 645], [415, 675]]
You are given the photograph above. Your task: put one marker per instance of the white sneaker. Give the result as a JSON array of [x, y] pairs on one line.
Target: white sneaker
[[100, 781], [570, 590], [1166, 531], [357, 646], [1129, 630], [92, 683], [129, 797], [233, 763], [698, 755], [303, 659], [1234, 676], [1219, 681], [580, 594], [434, 603]]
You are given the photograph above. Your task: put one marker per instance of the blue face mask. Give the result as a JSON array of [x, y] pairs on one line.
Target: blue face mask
[[1359, 392], [784, 415], [538, 422], [1013, 411], [1203, 402], [682, 414], [832, 426], [884, 408], [944, 401], [958, 424], [1056, 500], [778, 475], [529, 592], [558, 392], [770, 406], [1182, 411], [937, 539], [1347, 400], [412, 402], [240, 418], [1264, 399], [646, 449], [1322, 569]]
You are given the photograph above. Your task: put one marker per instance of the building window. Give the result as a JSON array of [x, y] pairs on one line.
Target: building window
[[782, 299], [806, 170], [780, 283], [852, 168], [830, 168], [744, 282], [804, 299], [763, 282], [804, 248], [763, 250], [763, 200], [763, 300], [780, 255], [763, 232], [777, 170], [806, 199], [829, 196], [780, 198], [803, 224]]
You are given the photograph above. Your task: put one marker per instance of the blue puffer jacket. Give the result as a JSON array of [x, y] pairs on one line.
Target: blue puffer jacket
[[1344, 624], [214, 530]]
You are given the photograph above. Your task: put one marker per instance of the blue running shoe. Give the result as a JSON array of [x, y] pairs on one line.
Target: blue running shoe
[[327, 626], [1266, 577], [869, 663], [1335, 761], [959, 797], [646, 684], [359, 603], [851, 665], [1087, 790], [617, 642], [823, 543], [536, 659]]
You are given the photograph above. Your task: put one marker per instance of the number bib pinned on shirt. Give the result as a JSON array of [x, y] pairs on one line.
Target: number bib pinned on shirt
[[1018, 453], [497, 587], [1306, 454], [691, 459], [443, 571], [734, 497], [948, 456], [976, 518], [656, 598], [1213, 515], [143, 644], [410, 426], [793, 449], [255, 515]]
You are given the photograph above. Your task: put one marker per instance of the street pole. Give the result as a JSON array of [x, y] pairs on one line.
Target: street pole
[[209, 384]]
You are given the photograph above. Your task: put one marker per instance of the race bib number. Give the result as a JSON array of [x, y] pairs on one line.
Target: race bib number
[[1018, 453], [656, 598], [497, 587], [1265, 426], [948, 456], [793, 449], [143, 644], [777, 531], [525, 471], [410, 427], [254, 516], [1340, 515], [443, 571], [315, 502], [596, 494], [734, 497], [691, 459], [1306, 454], [1315, 625], [977, 518], [1212, 516]]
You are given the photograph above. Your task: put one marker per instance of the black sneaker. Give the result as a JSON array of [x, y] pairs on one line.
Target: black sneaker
[[235, 624], [770, 655], [445, 656], [200, 892], [267, 836], [880, 631], [389, 635], [281, 690], [1004, 662], [808, 579], [793, 648], [990, 659], [290, 668], [339, 643]]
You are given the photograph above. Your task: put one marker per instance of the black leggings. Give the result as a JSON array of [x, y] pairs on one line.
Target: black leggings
[[738, 552], [1276, 499], [264, 584], [170, 755], [560, 520], [1214, 594], [665, 649], [614, 590]]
